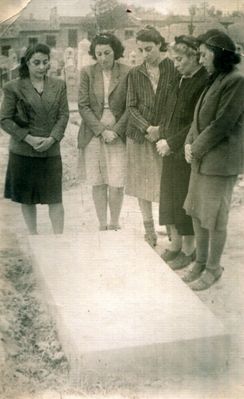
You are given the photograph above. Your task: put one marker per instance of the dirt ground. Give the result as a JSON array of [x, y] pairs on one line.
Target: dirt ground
[[34, 360]]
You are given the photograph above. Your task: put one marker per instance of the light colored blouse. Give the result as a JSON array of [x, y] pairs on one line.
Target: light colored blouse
[[106, 82], [153, 74]]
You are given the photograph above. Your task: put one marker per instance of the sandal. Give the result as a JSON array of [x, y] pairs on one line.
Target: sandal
[[194, 273], [207, 279]]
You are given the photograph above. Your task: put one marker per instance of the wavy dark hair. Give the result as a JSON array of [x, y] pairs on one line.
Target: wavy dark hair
[[150, 34], [30, 51], [224, 49], [110, 39]]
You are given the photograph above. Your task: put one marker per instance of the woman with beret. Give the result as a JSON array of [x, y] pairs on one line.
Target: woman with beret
[[214, 149], [176, 171], [102, 103], [35, 113], [149, 87]]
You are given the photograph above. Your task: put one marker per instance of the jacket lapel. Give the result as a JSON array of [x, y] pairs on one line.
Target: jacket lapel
[[49, 95], [28, 93], [38, 103], [97, 83], [142, 68], [114, 78], [208, 92]]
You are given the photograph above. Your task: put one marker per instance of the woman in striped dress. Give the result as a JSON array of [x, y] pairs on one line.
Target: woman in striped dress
[[149, 86]]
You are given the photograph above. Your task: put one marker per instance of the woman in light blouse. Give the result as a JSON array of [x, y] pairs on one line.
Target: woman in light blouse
[[102, 103]]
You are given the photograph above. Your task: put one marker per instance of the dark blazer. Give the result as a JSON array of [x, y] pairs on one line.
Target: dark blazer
[[216, 133], [147, 108], [91, 101], [181, 106], [47, 114]]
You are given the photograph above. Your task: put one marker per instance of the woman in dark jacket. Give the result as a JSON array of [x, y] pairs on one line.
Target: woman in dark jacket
[[214, 147], [176, 171], [35, 113], [149, 88]]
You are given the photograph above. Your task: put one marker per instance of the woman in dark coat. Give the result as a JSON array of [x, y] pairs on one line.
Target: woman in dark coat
[[176, 171], [149, 88], [214, 148], [35, 113]]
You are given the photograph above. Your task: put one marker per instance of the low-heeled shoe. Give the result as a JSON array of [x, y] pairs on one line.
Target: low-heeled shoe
[[168, 255], [182, 260]]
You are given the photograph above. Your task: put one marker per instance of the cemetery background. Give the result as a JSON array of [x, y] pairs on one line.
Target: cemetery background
[[34, 358]]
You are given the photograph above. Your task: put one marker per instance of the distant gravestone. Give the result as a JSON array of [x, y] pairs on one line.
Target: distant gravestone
[[131, 55], [13, 65], [69, 57], [83, 57], [70, 73], [54, 63], [22, 51]]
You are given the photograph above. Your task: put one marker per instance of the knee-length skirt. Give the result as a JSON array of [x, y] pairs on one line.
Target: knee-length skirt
[[209, 199], [33, 180], [143, 171], [102, 163]]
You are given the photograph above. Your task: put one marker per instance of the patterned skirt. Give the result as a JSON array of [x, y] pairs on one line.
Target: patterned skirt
[[143, 174]]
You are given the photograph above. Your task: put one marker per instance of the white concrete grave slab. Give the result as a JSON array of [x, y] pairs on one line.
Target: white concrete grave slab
[[120, 309]]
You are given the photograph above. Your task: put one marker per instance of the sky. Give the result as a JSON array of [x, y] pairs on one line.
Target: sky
[[10, 7]]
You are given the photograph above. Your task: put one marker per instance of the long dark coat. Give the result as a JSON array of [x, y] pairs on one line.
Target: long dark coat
[[176, 171], [216, 134]]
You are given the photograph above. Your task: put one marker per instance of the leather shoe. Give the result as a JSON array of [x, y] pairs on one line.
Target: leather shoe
[[114, 227], [182, 260], [168, 255], [207, 279], [151, 239], [194, 273]]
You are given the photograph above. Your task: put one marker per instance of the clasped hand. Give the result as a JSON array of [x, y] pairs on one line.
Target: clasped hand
[[163, 147], [109, 136], [39, 144], [188, 153], [152, 134]]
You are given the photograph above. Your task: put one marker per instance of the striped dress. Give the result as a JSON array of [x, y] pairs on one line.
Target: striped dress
[[146, 107]]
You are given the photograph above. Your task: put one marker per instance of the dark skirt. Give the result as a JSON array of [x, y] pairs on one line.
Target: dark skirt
[[173, 191], [32, 180]]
